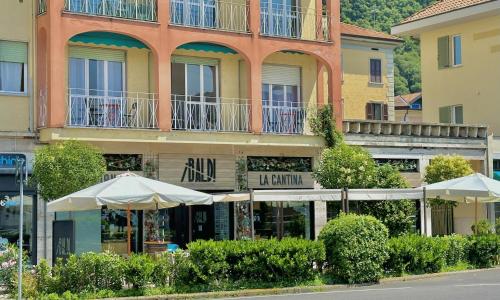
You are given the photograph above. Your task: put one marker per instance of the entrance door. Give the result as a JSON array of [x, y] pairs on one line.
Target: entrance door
[[203, 222], [195, 101], [280, 18]]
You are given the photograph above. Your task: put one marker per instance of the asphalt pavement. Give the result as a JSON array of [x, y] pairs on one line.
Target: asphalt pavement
[[476, 285]]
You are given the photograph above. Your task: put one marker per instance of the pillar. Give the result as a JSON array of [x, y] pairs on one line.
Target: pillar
[[335, 72], [320, 84], [163, 69], [254, 16], [255, 89]]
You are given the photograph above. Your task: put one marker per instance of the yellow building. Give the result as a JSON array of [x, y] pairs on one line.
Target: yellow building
[[460, 62], [368, 73]]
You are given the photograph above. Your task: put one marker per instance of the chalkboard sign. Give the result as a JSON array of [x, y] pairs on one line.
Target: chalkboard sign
[[63, 240]]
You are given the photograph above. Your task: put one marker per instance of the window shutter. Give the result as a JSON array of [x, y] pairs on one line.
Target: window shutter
[[385, 112], [375, 70], [97, 53], [369, 111], [444, 52], [445, 114], [459, 114], [191, 60], [16, 52], [282, 75]]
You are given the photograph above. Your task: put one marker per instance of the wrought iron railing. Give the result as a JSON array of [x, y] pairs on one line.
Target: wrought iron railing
[[227, 15], [42, 7], [294, 22], [143, 10], [210, 114], [106, 109], [283, 119]]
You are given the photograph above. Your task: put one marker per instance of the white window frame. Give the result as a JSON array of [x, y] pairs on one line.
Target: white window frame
[[452, 43], [453, 116], [23, 93], [105, 72], [285, 86]]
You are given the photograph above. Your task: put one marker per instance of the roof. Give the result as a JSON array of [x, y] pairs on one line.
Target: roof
[[442, 7], [406, 100], [356, 31]]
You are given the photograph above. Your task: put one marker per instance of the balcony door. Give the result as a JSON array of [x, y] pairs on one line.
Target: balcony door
[[282, 108], [195, 99], [280, 18], [96, 88], [197, 13]]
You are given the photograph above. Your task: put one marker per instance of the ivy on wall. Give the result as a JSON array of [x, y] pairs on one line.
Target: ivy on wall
[[279, 164]]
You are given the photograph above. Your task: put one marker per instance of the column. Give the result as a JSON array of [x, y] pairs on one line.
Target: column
[[319, 19], [335, 93], [163, 69], [320, 217], [254, 16], [255, 89], [320, 84]]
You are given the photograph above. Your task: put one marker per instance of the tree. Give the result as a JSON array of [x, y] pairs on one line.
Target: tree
[[446, 167], [352, 167], [67, 167]]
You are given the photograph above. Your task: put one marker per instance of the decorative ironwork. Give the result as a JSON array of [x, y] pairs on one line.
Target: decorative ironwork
[[283, 119], [143, 10], [210, 14], [200, 113], [119, 110]]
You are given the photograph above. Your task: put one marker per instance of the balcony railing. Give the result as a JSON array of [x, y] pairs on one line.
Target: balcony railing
[[195, 113], [42, 7], [283, 119], [143, 10], [210, 14], [294, 22], [106, 109]]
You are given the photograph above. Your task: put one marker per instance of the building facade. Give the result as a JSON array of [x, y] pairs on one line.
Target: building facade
[[460, 45]]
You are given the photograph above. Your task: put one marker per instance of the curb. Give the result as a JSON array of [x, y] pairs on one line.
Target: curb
[[295, 290]]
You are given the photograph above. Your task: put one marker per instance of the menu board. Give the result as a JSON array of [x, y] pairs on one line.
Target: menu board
[[222, 229]]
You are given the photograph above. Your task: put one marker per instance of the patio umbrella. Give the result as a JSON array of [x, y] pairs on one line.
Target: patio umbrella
[[475, 187], [130, 192]]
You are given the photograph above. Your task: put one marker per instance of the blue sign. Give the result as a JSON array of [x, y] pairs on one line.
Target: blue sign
[[7, 202], [8, 160]]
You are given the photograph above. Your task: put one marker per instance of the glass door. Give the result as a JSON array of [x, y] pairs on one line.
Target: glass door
[[96, 93], [195, 96], [280, 17], [282, 108]]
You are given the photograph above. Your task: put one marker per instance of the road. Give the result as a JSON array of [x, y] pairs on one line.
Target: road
[[480, 285]]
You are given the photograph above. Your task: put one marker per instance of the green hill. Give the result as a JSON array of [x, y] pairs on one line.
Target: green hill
[[382, 15]]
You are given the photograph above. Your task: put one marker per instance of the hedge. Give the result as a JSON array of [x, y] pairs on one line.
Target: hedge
[[288, 260], [484, 250], [356, 248]]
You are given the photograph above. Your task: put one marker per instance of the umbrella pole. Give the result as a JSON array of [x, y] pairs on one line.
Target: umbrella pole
[[475, 218], [129, 231]]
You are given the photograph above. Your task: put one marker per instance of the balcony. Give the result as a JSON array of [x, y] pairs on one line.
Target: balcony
[[294, 22], [283, 119], [142, 10], [200, 113], [41, 7], [230, 15], [106, 109]]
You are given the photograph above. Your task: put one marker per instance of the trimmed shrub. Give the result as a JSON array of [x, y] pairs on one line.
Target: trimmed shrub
[[483, 227], [456, 249], [355, 248], [418, 254], [139, 270], [169, 267], [484, 250], [89, 272], [288, 260]]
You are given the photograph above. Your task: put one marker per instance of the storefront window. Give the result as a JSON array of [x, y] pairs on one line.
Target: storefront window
[[114, 231], [9, 221], [87, 230], [282, 219]]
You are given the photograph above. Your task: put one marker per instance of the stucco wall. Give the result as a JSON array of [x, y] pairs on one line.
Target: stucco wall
[[356, 88], [15, 110], [475, 84]]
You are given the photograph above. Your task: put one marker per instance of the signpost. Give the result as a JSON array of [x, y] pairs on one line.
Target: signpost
[[20, 169]]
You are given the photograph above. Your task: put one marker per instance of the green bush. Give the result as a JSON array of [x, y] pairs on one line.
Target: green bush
[[456, 249], [497, 226], [483, 227], [89, 272], [267, 261], [8, 264], [355, 248], [419, 254], [139, 270], [169, 267], [484, 250]]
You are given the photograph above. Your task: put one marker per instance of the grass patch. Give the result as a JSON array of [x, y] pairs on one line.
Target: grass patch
[[461, 266]]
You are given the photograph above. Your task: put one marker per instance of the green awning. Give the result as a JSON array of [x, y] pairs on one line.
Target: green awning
[[108, 39], [207, 47]]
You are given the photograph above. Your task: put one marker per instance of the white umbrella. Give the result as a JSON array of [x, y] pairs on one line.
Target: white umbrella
[[476, 187], [131, 192]]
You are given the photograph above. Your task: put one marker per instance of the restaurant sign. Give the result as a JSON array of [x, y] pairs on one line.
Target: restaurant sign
[[280, 180], [201, 172]]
